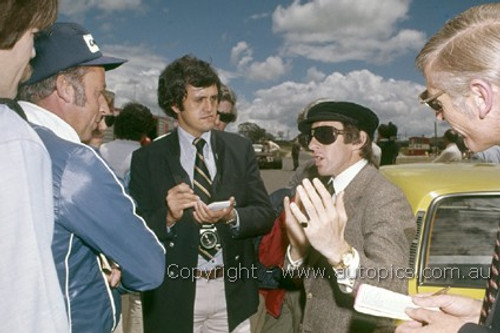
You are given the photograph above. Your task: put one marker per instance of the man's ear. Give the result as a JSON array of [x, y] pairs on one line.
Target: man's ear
[[64, 89], [176, 109], [358, 144], [482, 95]]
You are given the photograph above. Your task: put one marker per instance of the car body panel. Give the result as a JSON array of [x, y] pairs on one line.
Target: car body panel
[[267, 159], [457, 203]]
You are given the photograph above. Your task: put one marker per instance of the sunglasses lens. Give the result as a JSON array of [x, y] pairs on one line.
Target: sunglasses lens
[[226, 117], [325, 135], [109, 120], [435, 105]]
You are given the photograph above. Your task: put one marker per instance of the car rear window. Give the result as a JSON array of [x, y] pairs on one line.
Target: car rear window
[[460, 240]]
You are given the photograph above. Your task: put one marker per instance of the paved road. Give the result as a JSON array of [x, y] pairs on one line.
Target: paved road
[[275, 179]]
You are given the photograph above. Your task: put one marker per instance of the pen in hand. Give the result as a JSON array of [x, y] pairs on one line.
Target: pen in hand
[[441, 291]]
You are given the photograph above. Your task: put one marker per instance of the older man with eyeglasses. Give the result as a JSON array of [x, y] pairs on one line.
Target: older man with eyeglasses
[[460, 64], [360, 232]]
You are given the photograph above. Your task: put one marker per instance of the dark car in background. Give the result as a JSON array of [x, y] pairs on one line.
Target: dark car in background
[[268, 159]]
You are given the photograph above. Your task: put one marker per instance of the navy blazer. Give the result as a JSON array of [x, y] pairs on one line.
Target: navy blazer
[[155, 169]]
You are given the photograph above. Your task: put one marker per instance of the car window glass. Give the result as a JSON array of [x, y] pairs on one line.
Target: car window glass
[[461, 240]]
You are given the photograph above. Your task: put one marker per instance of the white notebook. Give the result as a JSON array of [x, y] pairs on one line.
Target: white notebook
[[382, 302]]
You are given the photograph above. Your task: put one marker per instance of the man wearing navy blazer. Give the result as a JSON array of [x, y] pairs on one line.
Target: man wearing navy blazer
[[201, 292]]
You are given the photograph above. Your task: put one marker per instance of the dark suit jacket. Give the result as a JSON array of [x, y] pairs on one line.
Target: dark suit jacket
[[154, 170]]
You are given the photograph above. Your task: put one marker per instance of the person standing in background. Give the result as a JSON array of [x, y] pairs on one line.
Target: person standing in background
[[131, 126], [226, 111], [389, 149], [490, 155], [106, 122], [451, 153], [295, 153]]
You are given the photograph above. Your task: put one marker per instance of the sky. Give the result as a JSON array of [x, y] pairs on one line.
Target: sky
[[277, 55]]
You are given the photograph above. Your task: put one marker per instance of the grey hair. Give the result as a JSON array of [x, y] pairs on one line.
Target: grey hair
[[40, 90], [467, 47]]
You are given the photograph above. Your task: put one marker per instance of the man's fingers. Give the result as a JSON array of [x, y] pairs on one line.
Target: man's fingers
[[408, 327], [297, 213], [424, 315], [306, 202]]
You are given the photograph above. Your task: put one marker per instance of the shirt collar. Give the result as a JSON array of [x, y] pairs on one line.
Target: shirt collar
[[40, 116], [187, 139], [341, 181]]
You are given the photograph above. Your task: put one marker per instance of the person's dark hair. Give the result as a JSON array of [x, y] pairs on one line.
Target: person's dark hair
[[174, 79], [134, 122], [388, 131], [352, 135], [451, 136], [17, 16], [383, 131]]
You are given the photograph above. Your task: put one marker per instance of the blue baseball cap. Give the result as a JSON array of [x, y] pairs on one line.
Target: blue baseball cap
[[65, 45]]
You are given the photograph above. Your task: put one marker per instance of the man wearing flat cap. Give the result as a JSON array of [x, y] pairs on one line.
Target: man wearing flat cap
[[358, 231], [95, 222]]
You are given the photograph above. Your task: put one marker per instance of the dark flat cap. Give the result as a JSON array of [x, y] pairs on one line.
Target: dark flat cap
[[360, 116], [65, 45]]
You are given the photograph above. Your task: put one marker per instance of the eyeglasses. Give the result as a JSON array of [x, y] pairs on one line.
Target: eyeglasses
[[226, 117], [431, 101], [326, 135], [109, 119]]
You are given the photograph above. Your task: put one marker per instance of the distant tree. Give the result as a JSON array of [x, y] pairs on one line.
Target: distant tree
[[280, 134], [253, 132]]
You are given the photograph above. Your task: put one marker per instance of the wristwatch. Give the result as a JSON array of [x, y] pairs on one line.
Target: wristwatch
[[346, 259], [231, 221]]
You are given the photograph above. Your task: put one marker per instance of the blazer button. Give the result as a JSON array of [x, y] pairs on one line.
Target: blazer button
[[309, 295], [171, 244]]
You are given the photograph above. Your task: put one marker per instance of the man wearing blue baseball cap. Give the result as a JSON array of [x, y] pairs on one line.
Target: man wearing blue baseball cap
[[359, 231], [95, 222]]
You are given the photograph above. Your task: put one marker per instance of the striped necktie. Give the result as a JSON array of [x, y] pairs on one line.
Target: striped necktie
[[201, 178], [209, 239], [492, 287]]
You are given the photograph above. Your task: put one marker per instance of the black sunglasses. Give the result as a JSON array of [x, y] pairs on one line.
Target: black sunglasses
[[326, 135], [109, 119], [226, 117], [431, 101]]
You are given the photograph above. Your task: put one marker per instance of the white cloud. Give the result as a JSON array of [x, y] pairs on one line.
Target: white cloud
[[137, 79], [343, 30], [276, 108], [241, 54], [270, 69], [313, 74]]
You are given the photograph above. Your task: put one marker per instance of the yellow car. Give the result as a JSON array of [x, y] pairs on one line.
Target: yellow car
[[457, 210]]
